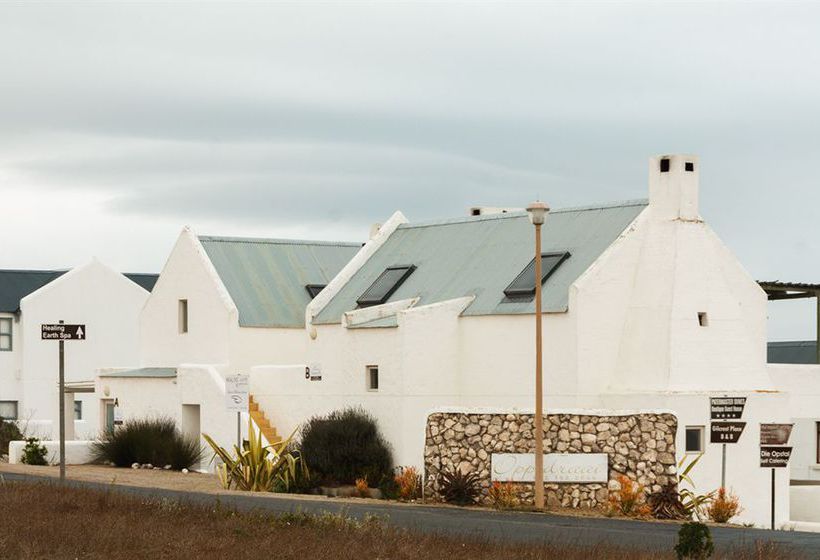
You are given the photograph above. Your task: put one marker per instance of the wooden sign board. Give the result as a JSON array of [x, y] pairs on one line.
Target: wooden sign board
[[727, 432], [775, 434], [726, 408], [775, 457], [63, 332]]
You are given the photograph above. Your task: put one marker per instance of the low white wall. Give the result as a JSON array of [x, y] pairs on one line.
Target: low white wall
[[76, 452], [805, 503]]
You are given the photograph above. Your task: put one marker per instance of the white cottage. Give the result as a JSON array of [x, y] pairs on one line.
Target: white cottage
[[107, 302], [220, 306], [644, 307]]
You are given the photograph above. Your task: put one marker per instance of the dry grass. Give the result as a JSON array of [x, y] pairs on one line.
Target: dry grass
[[40, 521]]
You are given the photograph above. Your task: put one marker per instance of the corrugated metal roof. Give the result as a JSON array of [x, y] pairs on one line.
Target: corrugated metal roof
[[17, 284], [145, 281], [154, 372], [480, 256], [793, 352], [266, 278]]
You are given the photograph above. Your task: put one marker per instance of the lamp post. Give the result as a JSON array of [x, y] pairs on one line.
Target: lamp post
[[538, 215]]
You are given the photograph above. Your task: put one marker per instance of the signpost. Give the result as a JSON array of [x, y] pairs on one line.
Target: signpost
[[62, 332], [236, 399], [773, 453], [726, 408]]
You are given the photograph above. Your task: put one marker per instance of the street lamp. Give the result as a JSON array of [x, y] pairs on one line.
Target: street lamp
[[538, 215]]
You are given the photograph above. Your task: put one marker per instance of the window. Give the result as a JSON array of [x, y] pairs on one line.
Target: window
[[524, 283], [314, 289], [372, 378], [694, 439], [8, 410], [665, 165], [818, 443], [385, 285], [183, 316], [703, 319], [5, 334], [78, 410], [689, 166]]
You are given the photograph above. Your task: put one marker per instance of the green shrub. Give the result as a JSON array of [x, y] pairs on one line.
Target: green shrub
[[34, 453], [458, 488], [9, 431], [389, 487], [694, 542], [156, 441], [345, 445]]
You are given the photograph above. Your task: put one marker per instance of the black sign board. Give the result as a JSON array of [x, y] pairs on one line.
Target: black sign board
[[63, 332], [727, 408], [774, 457], [727, 432], [775, 434]]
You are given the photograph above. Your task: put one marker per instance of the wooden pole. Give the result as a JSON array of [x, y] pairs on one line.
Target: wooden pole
[[62, 409], [539, 391]]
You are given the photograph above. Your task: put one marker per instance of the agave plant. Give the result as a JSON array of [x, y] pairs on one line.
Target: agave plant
[[255, 467], [459, 488]]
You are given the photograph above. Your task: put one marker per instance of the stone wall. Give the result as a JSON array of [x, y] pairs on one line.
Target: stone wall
[[640, 446]]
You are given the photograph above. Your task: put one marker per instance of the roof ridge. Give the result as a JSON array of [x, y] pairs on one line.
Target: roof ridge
[[34, 271], [275, 241], [519, 214]]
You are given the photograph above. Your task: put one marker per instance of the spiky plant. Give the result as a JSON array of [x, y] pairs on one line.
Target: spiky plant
[[456, 487]]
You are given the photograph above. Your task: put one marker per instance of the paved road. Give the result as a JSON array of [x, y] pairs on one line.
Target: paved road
[[507, 526]]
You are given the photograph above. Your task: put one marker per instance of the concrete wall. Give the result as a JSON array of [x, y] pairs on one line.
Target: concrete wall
[[108, 304], [77, 452], [802, 383], [11, 366]]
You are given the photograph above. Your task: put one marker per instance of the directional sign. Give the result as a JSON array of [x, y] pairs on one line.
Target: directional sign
[[775, 434], [727, 432], [727, 408], [775, 457], [236, 393], [63, 332]]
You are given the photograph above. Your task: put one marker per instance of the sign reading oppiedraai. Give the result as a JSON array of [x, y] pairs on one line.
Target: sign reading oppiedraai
[[558, 467], [63, 332]]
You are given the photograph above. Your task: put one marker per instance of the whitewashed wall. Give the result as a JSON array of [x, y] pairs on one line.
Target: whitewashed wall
[[802, 383], [11, 366], [105, 301]]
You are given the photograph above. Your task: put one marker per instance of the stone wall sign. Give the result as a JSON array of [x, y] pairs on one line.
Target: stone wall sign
[[558, 467]]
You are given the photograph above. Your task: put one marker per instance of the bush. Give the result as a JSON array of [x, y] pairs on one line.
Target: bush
[[9, 431], [389, 487], [362, 488], [694, 542], [156, 441], [667, 504], [629, 499], [504, 495], [408, 482], [724, 507], [458, 488], [345, 445], [34, 453]]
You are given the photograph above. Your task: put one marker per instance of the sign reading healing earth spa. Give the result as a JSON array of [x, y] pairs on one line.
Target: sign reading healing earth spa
[[558, 467]]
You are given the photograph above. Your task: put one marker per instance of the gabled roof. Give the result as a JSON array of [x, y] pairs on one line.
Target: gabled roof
[[480, 256], [266, 278], [17, 284]]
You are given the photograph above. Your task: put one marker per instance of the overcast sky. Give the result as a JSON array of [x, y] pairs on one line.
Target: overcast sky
[[120, 124]]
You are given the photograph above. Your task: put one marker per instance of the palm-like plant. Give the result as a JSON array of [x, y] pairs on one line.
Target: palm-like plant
[[693, 504], [255, 467]]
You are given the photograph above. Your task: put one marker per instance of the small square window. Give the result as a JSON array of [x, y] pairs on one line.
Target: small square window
[[689, 166], [665, 165], [78, 410], [8, 410], [694, 439], [6, 334], [183, 316], [703, 319], [372, 378]]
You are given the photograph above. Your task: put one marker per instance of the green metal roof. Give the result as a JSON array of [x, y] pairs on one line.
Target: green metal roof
[[17, 284], [153, 372], [793, 352], [481, 255], [266, 278]]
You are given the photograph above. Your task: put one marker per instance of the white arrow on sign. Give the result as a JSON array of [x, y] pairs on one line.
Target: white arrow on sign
[[80, 333]]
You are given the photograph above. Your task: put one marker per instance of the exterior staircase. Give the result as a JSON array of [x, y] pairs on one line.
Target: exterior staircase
[[262, 422]]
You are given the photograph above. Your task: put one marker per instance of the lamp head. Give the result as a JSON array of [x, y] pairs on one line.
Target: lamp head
[[538, 212]]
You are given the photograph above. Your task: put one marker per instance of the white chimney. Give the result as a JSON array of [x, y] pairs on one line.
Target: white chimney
[[673, 187]]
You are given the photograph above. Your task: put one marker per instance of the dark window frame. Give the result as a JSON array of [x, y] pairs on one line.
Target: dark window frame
[[514, 293], [370, 370], [701, 439], [78, 410], [7, 336], [182, 316], [313, 290], [817, 426], [364, 301]]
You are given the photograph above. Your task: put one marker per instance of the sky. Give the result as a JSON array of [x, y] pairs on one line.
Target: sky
[[122, 122]]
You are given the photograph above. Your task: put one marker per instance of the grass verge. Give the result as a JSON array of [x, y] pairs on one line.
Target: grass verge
[[45, 521]]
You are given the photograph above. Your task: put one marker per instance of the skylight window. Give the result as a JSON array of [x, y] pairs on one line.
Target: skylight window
[[524, 283], [314, 289], [385, 285]]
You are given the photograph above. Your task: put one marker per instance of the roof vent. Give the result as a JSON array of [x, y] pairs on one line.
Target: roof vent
[[385, 285], [524, 283]]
